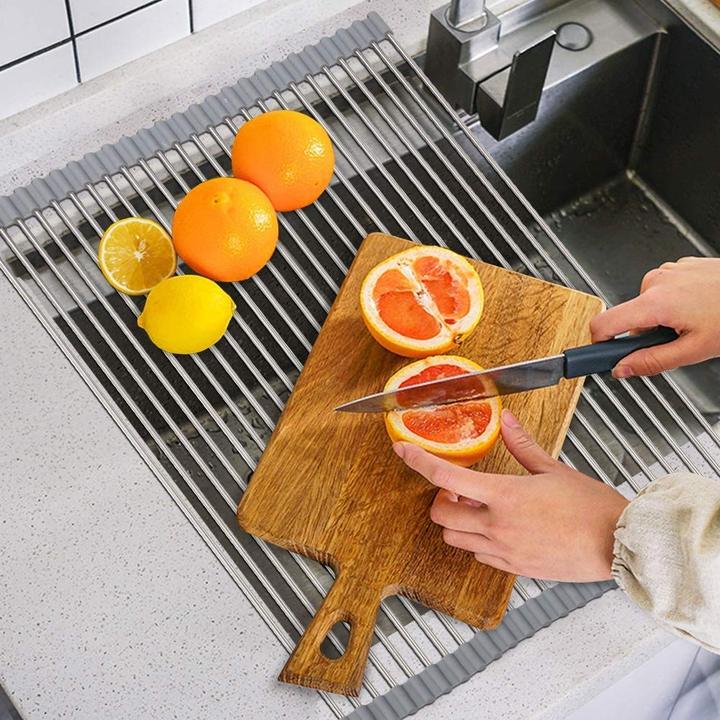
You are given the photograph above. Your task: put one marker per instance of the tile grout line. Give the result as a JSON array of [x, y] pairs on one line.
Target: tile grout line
[[73, 40], [35, 54], [109, 21]]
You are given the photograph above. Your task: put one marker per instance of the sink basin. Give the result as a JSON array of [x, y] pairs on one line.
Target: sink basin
[[622, 163]]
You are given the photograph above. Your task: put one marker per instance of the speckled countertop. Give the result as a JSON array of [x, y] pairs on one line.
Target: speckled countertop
[[111, 605]]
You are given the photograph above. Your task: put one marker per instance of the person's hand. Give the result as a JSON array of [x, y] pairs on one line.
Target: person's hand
[[554, 524], [682, 295]]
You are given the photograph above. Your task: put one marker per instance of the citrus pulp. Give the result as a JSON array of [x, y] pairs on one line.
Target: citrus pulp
[[135, 254], [422, 301], [461, 432]]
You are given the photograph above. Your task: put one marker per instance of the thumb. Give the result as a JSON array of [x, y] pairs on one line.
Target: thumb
[[654, 360], [523, 447]]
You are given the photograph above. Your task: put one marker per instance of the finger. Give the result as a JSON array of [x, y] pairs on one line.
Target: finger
[[649, 278], [640, 330], [523, 447], [651, 361], [470, 502], [494, 561], [460, 481], [457, 515], [472, 542], [638, 312]]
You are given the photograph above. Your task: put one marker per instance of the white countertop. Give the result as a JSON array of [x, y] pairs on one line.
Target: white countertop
[[112, 605]]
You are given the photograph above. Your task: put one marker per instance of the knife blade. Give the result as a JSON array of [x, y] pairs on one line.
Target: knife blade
[[515, 378]]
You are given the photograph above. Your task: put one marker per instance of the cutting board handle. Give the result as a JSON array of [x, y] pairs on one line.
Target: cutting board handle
[[354, 602]]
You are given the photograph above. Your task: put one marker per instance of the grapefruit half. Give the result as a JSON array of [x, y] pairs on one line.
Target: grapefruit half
[[461, 432], [422, 301]]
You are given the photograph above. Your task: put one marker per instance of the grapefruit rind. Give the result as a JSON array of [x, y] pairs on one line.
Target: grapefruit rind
[[465, 452], [447, 337]]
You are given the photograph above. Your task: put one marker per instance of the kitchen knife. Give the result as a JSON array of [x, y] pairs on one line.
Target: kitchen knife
[[508, 379]]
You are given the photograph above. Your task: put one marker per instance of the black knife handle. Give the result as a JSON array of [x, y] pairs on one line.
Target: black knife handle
[[604, 356]]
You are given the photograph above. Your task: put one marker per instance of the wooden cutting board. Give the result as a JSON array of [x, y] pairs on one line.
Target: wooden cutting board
[[329, 485]]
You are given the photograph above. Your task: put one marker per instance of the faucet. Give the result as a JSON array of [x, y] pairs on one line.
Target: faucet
[[464, 12], [461, 60]]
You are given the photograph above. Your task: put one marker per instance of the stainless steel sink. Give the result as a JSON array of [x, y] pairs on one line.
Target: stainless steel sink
[[622, 163]]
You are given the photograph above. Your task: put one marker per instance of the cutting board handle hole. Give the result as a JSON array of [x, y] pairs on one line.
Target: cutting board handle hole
[[334, 649]]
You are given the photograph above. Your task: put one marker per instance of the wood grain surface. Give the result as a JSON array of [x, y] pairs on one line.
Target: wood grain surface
[[330, 487]]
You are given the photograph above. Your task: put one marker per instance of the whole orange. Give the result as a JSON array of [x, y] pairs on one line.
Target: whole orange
[[225, 229], [286, 154]]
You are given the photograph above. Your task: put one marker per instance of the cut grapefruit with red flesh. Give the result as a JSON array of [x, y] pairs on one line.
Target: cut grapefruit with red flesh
[[422, 301], [461, 432]]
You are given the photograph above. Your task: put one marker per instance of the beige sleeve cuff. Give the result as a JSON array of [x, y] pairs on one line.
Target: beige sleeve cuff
[[667, 555]]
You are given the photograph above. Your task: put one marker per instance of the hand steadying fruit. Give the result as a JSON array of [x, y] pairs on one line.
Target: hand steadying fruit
[[555, 523]]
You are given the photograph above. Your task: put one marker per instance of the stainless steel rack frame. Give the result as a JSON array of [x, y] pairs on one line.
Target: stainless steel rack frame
[[407, 165]]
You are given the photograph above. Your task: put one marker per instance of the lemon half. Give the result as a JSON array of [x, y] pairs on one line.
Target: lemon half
[[135, 254]]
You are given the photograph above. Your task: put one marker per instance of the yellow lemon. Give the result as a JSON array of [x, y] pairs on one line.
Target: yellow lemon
[[135, 254], [186, 314]]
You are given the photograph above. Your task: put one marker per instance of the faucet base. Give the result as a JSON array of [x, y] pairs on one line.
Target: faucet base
[[466, 63], [509, 100], [451, 51]]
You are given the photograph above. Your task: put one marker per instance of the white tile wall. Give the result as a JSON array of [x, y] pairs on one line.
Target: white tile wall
[[38, 58], [37, 79], [29, 25], [208, 12], [130, 37], [87, 13]]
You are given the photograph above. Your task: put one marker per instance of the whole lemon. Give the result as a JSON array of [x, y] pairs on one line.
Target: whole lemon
[[186, 314], [287, 154]]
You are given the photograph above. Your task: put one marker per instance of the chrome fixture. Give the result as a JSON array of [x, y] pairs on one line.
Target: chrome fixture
[[468, 15], [461, 61]]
